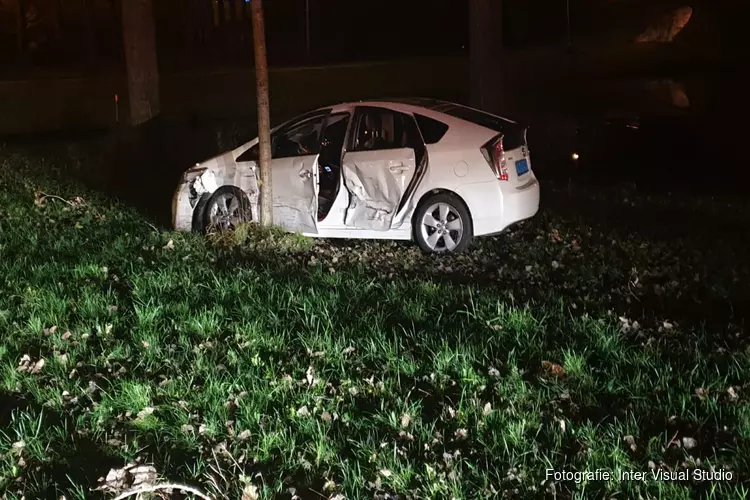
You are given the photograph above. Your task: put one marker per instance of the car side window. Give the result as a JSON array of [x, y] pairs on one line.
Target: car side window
[[297, 139], [432, 130], [249, 155], [381, 129], [300, 139]]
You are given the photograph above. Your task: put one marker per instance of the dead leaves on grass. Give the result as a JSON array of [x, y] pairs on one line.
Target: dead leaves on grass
[[135, 480], [144, 413], [125, 478], [701, 393], [689, 443], [553, 369], [310, 377], [405, 420], [73, 205], [732, 394], [487, 409], [303, 411], [27, 365], [250, 492], [630, 441]]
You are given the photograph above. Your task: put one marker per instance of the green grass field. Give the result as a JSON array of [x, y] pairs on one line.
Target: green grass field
[[599, 335]]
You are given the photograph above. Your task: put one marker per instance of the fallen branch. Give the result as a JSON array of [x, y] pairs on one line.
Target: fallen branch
[[672, 441], [630, 289], [54, 196], [168, 486]]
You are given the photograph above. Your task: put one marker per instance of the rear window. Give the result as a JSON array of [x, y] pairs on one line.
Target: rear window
[[514, 133], [432, 130], [477, 117]]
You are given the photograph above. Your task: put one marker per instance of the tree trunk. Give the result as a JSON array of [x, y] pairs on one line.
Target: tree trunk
[[90, 33], [139, 39], [21, 29], [264, 120], [57, 23], [118, 40], [481, 29]]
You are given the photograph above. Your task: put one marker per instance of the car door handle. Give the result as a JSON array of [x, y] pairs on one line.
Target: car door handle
[[305, 174], [398, 167]]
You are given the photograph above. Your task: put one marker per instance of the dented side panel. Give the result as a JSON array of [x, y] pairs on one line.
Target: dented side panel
[[376, 180], [294, 189], [294, 182], [243, 175]]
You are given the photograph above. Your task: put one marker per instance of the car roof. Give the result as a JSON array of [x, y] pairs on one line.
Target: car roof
[[399, 104], [420, 102], [434, 108], [427, 103]]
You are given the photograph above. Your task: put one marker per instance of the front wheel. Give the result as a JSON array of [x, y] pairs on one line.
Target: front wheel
[[227, 208], [443, 224]]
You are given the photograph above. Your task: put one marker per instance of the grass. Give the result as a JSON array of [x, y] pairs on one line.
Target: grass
[[581, 340]]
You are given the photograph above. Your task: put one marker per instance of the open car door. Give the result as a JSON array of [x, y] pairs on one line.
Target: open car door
[[295, 200], [379, 166], [294, 172]]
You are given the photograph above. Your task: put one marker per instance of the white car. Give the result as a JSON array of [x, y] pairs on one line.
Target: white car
[[435, 172]]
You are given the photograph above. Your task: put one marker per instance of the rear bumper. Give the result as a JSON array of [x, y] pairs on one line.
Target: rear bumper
[[522, 204], [514, 205]]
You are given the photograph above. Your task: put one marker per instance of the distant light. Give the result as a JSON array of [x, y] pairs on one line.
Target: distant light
[[575, 156]]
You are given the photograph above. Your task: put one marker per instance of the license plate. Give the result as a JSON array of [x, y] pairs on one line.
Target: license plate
[[522, 166]]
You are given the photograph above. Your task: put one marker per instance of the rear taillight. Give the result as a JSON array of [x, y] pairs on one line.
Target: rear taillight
[[494, 153]]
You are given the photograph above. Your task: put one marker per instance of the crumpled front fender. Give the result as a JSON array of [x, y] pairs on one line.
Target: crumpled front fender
[[200, 181]]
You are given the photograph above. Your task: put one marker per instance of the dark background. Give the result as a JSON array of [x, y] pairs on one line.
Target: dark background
[[570, 85], [79, 33]]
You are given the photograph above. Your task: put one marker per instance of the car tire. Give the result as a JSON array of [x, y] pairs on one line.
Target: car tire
[[228, 207], [442, 224]]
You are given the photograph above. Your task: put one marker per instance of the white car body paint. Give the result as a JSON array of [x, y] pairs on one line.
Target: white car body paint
[[372, 183], [461, 169], [376, 186], [294, 193]]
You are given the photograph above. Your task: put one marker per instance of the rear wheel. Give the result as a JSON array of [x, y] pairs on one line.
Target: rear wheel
[[443, 224], [227, 208]]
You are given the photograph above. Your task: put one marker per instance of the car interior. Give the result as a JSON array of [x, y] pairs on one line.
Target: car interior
[[379, 131], [374, 131], [329, 162], [299, 141]]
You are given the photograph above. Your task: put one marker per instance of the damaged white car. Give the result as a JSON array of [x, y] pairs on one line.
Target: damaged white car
[[431, 171]]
